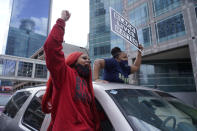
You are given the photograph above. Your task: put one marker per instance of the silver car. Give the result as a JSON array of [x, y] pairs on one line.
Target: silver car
[[127, 108]]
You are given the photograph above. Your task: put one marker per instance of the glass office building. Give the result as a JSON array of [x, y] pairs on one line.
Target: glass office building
[[28, 29], [166, 28], [101, 40]]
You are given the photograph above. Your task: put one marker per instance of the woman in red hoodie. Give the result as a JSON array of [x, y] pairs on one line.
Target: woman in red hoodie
[[69, 95]]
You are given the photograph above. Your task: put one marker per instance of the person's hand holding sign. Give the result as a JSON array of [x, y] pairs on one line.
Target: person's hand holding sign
[[140, 47], [135, 67]]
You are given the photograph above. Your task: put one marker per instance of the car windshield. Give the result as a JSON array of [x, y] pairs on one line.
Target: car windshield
[[146, 110]]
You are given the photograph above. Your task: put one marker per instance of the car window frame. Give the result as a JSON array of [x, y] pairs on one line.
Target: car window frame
[[101, 110], [26, 125], [121, 110], [20, 108], [115, 116]]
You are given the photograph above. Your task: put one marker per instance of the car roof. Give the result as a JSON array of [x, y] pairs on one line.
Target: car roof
[[100, 86], [110, 86], [34, 88]]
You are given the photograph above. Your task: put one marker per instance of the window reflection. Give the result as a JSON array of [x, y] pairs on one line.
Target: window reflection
[[144, 37], [131, 1], [117, 41], [101, 50], [170, 28], [7, 67], [28, 27], [41, 71], [147, 111], [139, 15], [25, 69], [100, 37], [162, 6]]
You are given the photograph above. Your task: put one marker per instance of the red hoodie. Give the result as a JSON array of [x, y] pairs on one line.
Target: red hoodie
[[69, 98]]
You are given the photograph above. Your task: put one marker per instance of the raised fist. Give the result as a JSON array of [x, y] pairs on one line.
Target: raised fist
[[65, 15]]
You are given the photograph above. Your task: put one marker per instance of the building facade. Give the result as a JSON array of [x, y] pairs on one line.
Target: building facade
[[168, 31], [40, 71], [101, 40], [28, 28]]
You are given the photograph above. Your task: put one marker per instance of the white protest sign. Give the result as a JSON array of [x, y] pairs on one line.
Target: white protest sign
[[123, 28]]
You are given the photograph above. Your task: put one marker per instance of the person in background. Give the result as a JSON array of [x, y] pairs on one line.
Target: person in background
[[116, 69], [69, 96]]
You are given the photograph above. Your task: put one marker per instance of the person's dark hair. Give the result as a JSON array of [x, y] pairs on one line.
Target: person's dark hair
[[115, 52]]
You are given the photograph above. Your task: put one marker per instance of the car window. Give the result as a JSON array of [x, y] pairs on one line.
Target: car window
[[34, 116], [105, 123], [147, 110], [15, 103]]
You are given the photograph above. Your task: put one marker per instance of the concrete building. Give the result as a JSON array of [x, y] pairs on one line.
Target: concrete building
[[168, 31], [39, 74]]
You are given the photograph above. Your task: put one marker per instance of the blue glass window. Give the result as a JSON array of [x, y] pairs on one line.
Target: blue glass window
[[139, 15], [100, 38], [28, 27], [7, 67], [101, 50], [162, 6], [170, 28], [144, 36], [131, 1], [100, 11], [117, 41]]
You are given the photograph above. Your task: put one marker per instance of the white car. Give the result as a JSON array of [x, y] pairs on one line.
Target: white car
[[127, 108]]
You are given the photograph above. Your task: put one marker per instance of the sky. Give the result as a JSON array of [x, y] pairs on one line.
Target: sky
[[77, 28], [4, 14]]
